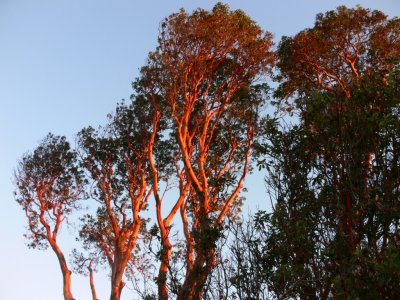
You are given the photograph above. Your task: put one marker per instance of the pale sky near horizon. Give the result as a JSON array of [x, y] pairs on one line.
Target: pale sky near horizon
[[63, 66]]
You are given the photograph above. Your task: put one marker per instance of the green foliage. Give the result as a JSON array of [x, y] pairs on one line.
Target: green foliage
[[334, 178]]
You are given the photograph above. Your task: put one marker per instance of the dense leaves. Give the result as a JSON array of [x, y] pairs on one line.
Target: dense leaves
[[343, 45], [186, 139], [204, 73], [335, 222]]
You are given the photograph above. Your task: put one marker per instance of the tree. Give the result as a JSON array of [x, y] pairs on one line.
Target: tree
[[203, 70], [49, 185], [116, 158], [329, 234], [310, 253], [343, 46], [297, 236]]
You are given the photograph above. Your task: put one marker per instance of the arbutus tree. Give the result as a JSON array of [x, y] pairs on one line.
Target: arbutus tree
[[297, 236], [344, 46], [49, 185], [345, 50], [116, 160], [202, 75], [342, 75], [334, 231], [308, 252]]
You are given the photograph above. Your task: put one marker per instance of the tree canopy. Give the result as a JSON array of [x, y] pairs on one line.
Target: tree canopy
[[193, 130]]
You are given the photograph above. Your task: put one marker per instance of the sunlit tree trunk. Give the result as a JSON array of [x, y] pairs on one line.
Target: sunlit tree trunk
[[66, 273], [116, 290], [117, 283], [164, 223], [67, 284], [91, 281], [205, 261], [196, 277], [166, 251]]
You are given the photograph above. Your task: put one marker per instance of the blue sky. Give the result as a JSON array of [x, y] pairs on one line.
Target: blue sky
[[64, 65]]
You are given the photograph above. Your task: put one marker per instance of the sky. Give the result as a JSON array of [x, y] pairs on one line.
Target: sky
[[63, 66]]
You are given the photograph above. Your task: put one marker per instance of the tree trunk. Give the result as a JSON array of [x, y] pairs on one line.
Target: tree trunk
[[67, 285], [116, 284], [192, 288], [65, 272], [116, 291], [163, 271], [193, 284], [91, 280]]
